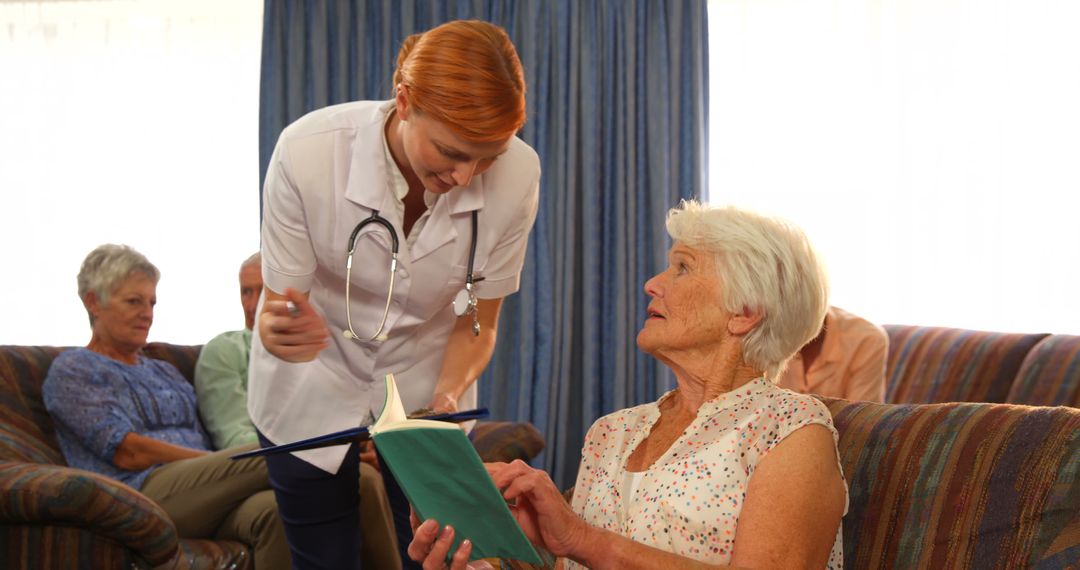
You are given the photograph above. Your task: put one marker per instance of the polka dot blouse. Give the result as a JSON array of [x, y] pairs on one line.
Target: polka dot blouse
[[689, 500]]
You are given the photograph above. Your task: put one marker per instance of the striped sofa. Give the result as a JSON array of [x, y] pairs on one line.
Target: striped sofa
[[929, 365], [960, 485], [54, 516], [956, 486]]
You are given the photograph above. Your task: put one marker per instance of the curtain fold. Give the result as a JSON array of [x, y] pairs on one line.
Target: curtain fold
[[617, 96]]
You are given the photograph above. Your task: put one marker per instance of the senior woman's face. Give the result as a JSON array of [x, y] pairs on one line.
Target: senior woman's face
[[685, 310], [125, 321]]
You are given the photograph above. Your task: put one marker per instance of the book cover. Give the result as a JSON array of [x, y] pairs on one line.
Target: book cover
[[442, 476], [345, 437]]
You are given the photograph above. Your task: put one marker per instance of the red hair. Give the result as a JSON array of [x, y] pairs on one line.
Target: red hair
[[467, 75]]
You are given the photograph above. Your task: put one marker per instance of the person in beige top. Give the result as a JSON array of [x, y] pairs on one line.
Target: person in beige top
[[845, 360]]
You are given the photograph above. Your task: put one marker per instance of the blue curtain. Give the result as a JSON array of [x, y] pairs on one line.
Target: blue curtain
[[617, 95]]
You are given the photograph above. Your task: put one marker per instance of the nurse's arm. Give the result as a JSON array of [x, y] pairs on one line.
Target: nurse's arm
[[466, 355], [294, 334]]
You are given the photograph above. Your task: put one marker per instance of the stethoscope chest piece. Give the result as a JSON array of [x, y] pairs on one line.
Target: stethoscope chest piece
[[464, 304]]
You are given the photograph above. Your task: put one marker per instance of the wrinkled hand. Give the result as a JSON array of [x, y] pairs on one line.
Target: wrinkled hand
[[539, 507], [293, 334], [430, 546]]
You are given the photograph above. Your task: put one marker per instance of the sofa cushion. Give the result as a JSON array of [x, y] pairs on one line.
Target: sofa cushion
[[1050, 374], [929, 365], [958, 485]]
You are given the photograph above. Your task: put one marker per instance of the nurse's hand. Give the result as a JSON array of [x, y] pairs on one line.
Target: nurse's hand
[[290, 328], [443, 403]]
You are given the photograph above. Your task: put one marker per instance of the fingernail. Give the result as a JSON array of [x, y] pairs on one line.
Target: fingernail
[[466, 543], [448, 531]]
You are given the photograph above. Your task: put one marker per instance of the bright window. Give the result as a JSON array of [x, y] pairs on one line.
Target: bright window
[[128, 122], [929, 147]]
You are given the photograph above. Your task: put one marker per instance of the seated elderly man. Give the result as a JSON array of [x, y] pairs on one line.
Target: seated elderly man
[[845, 360], [132, 418], [725, 470], [221, 372]]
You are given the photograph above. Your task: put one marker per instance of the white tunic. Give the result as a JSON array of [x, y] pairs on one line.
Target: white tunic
[[326, 175]]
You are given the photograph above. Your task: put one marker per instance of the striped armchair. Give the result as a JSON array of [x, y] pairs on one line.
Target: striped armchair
[[54, 516]]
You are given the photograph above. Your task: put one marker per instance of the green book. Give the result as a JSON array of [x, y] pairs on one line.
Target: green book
[[444, 479]]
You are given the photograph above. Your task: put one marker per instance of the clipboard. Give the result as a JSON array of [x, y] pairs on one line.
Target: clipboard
[[350, 435]]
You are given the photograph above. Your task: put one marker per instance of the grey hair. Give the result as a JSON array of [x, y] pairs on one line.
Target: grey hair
[[105, 268], [765, 264], [253, 259]]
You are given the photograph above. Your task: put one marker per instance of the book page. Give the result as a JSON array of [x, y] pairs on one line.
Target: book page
[[393, 416]]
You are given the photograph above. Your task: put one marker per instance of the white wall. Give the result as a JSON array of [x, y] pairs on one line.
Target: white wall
[[931, 149], [127, 122]]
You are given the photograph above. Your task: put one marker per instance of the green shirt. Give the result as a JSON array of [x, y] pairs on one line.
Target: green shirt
[[221, 377]]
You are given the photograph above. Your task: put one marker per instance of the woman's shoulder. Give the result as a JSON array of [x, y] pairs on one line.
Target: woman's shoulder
[[74, 361], [354, 115], [519, 163], [627, 417], [793, 409], [522, 153]]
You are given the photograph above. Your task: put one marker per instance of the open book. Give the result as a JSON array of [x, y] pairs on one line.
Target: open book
[[347, 436], [444, 479]]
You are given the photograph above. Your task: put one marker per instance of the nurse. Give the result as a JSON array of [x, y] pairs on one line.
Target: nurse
[[441, 164]]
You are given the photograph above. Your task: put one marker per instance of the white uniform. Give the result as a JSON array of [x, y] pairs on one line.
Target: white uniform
[[327, 173]]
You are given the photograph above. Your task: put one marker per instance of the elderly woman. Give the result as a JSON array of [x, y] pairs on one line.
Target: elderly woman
[[133, 418], [725, 470]]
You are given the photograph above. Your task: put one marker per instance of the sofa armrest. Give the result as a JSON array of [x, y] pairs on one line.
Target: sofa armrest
[[44, 494], [506, 441]]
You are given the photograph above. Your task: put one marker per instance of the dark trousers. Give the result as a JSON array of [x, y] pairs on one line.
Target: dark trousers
[[321, 512]]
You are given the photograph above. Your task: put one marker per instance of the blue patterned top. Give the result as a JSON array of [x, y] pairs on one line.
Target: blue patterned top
[[95, 401]]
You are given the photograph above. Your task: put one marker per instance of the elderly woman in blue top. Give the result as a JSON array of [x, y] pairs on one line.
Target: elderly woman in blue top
[[134, 419]]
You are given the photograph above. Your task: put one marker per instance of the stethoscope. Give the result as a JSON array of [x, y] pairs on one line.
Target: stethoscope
[[464, 302]]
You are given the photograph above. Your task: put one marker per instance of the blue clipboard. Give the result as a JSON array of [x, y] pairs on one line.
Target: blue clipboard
[[354, 434]]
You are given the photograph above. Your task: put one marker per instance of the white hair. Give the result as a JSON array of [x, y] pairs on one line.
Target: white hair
[[109, 265], [766, 265]]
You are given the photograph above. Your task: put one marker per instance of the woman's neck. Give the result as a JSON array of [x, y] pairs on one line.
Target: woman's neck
[[396, 144], [703, 379], [125, 355]]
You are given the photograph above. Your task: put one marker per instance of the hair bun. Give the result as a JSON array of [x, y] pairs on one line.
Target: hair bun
[[403, 54]]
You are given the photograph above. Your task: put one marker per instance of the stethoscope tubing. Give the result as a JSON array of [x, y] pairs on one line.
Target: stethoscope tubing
[[375, 218]]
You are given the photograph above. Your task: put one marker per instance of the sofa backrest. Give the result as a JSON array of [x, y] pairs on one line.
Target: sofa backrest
[[959, 485], [1050, 374], [27, 432], [929, 365]]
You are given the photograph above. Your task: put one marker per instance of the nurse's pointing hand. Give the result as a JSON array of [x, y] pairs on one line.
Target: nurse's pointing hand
[[290, 328]]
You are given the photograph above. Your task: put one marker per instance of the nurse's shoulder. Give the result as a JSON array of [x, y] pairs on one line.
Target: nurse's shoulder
[[335, 119], [322, 146], [516, 170]]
